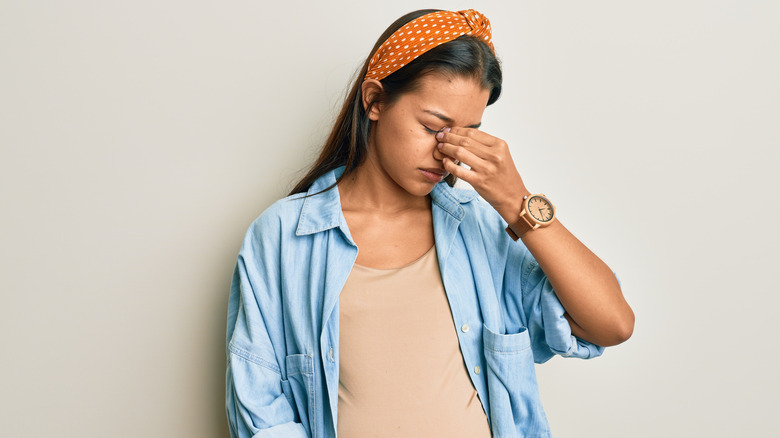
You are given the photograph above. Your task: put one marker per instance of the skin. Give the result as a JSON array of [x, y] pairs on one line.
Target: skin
[[387, 205]]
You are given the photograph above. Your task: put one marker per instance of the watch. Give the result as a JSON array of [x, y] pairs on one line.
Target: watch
[[537, 212]]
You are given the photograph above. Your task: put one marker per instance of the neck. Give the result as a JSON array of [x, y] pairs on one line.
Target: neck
[[369, 188]]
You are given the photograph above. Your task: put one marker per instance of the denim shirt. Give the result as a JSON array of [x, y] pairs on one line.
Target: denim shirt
[[283, 314]]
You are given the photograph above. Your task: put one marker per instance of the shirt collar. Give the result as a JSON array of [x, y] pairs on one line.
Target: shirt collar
[[323, 211]]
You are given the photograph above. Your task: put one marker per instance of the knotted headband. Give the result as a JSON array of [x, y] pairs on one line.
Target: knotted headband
[[424, 33]]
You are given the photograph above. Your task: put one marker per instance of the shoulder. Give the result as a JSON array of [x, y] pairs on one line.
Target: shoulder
[[275, 219]]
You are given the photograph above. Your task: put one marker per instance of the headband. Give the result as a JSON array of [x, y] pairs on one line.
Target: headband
[[423, 34]]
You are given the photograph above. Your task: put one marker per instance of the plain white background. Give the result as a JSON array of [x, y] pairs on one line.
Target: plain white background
[[140, 139]]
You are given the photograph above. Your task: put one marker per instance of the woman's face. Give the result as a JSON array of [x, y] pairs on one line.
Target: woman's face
[[403, 143]]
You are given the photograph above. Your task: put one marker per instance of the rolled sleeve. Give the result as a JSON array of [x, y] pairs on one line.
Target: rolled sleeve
[[549, 330], [255, 403], [255, 400]]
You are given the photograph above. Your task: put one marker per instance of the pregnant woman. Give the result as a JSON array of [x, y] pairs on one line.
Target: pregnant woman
[[377, 299]]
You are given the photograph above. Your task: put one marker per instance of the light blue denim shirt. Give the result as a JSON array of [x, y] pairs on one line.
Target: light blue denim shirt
[[283, 315]]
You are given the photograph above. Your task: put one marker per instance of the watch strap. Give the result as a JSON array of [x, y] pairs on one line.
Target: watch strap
[[521, 225]]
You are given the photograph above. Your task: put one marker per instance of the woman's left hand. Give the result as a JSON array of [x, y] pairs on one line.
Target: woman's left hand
[[492, 171]]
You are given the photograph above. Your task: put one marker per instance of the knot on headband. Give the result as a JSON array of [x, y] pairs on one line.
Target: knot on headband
[[423, 34]]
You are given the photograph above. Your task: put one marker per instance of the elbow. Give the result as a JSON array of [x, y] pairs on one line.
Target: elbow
[[613, 332], [622, 329], [609, 332]]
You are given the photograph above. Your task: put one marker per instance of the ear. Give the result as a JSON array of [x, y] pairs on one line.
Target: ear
[[371, 89]]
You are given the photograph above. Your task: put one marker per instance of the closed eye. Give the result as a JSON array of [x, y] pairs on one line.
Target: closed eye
[[430, 131]]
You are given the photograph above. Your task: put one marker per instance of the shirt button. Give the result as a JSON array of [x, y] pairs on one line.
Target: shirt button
[[476, 369], [464, 328], [331, 355]]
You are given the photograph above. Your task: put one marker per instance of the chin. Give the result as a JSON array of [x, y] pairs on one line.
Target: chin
[[416, 185], [422, 189]]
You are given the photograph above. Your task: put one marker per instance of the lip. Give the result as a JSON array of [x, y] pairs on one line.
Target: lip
[[435, 175]]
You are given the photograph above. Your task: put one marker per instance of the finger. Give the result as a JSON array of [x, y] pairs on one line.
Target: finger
[[463, 173], [467, 142], [461, 154], [494, 154], [479, 136]]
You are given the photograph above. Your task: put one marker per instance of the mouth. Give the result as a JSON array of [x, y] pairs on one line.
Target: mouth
[[433, 174]]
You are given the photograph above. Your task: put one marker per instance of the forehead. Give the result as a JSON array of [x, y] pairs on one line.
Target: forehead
[[461, 99]]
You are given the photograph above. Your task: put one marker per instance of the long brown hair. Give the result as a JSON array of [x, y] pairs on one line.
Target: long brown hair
[[347, 144]]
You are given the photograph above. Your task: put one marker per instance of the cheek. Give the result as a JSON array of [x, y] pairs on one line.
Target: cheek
[[409, 142], [420, 144]]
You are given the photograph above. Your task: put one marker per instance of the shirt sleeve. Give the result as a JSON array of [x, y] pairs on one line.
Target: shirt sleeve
[[527, 298], [255, 402], [549, 330], [535, 305]]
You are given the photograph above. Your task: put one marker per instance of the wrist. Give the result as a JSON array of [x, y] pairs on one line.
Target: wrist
[[510, 209]]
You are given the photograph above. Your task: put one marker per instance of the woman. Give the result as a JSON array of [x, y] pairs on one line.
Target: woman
[[377, 299]]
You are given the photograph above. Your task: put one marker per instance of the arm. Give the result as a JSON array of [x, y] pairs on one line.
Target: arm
[[585, 285], [255, 402]]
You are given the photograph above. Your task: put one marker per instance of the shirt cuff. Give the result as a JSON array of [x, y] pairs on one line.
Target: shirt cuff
[[557, 331]]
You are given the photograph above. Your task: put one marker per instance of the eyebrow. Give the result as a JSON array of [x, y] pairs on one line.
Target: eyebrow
[[449, 120]]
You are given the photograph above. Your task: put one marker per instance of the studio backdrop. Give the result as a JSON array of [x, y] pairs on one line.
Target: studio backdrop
[[140, 139]]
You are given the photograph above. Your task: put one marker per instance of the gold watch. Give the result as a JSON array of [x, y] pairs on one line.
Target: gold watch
[[537, 212]]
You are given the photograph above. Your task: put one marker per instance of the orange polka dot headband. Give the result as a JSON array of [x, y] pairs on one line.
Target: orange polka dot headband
[[424, 33]]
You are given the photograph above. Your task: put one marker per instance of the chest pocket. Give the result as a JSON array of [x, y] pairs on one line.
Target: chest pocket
[[515, 407], [300, 378]]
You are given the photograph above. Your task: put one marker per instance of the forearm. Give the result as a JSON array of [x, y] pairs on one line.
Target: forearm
[[585, 285]]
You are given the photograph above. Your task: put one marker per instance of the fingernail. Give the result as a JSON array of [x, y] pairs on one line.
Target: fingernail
[[447, 130], [440, 145], [440, 135]]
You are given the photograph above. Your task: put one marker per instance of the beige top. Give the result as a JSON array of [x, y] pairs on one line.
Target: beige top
[[401, 372]]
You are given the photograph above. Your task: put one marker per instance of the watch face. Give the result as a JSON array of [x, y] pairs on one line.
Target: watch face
[[540, 209]]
